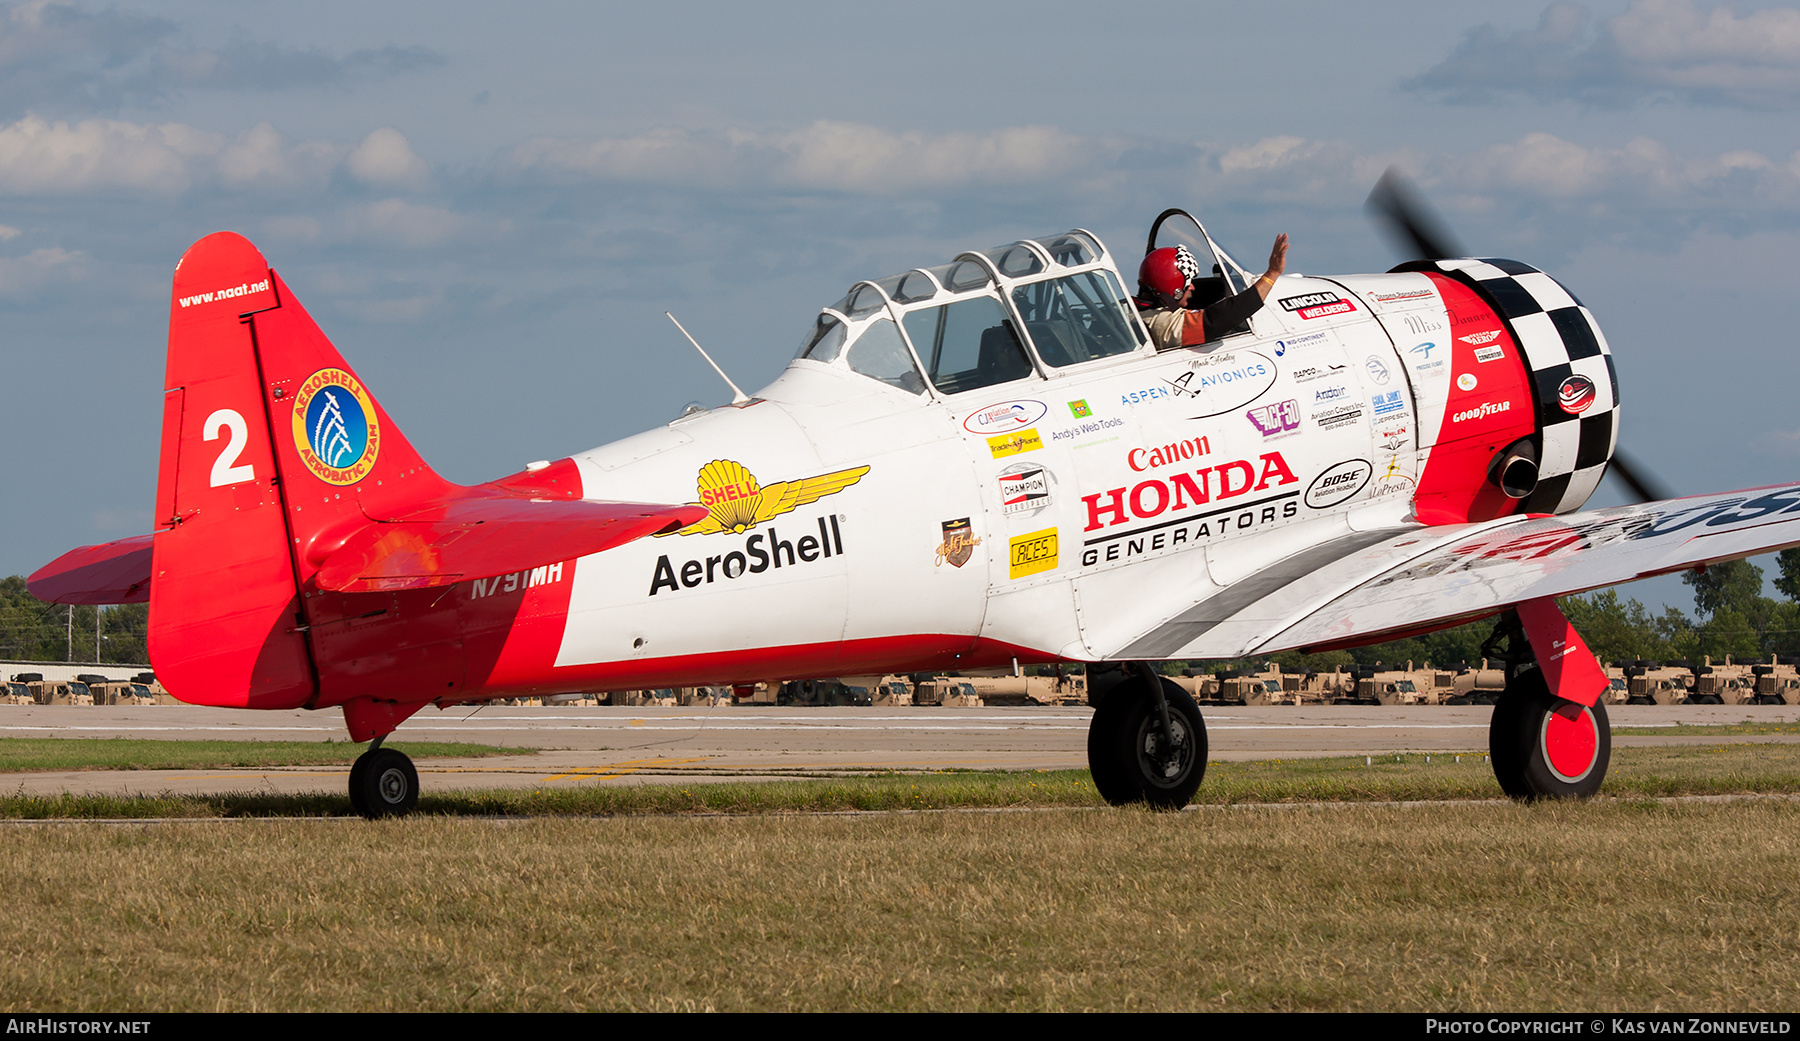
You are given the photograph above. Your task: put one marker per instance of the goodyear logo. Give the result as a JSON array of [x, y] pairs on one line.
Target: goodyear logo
[[735, 501], [1030, 554], [1026, 440], [336, 430]]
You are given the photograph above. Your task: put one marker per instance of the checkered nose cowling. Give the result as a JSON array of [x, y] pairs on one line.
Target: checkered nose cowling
[[1572, 374]]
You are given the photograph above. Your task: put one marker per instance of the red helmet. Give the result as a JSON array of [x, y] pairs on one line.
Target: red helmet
[[1168, 270]]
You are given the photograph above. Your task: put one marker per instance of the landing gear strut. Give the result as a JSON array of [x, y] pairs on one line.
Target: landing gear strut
[[1147, 742], [383, 783], [1542, 746]]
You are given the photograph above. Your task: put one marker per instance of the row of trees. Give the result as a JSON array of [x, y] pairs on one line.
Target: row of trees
[[1732, 617], [31, 630]]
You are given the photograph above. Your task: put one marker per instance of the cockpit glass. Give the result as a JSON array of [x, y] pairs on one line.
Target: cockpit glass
[[962, 275], [967, 344], [865, 300], [1181, 229], [881, 354], [824, 340], [1071, 249], [1078, 318], [914, 287], [1015, 261]]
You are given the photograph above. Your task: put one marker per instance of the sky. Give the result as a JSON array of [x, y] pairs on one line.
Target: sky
[[488, 208]]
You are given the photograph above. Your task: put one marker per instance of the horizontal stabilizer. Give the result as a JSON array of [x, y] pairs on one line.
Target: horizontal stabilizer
[[110, 573], [481, 537]]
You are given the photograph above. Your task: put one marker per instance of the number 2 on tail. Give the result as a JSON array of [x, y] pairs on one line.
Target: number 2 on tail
[[224, 471]]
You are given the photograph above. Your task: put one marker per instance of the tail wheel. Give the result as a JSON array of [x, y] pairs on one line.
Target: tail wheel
[[1130, 758], [383, 783], [1545, 747]]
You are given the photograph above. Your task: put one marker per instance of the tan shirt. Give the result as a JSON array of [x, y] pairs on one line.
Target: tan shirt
[[1174, 327]]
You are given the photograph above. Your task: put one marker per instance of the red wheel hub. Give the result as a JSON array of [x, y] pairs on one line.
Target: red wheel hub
[[1571, 740]]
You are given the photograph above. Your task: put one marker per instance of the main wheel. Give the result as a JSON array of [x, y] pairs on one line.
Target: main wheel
[[1130, 759], [1544, 747], [357, 770], [383, 783]]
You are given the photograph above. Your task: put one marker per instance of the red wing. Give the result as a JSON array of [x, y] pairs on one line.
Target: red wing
[[110, 573], [483, 537]]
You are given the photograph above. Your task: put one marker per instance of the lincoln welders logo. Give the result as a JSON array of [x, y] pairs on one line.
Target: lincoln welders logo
[[336, 429], [735, 501]]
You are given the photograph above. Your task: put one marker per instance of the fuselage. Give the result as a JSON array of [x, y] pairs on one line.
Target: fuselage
[[866, 523]]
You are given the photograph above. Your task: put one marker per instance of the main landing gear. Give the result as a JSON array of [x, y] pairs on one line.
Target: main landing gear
[[1147, 742], [383, 783], [1542, 746]]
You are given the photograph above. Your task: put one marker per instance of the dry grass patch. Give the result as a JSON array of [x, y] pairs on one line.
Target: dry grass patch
[[1610, 905]]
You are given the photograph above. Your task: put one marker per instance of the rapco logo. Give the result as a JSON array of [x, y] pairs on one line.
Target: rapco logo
[[1576, 395], [1487, 408], [1276, 418], [1477, 339], [755, 558], [1338, 483], [1031, 554], [1168, 455], [336, 428], [1153, 497], [1005, 416], [735, 502], [1026, 440]]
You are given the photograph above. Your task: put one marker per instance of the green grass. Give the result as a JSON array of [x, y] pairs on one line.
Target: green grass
[[1618, 905], [47, 754], [1748, 726], [1744, 768]]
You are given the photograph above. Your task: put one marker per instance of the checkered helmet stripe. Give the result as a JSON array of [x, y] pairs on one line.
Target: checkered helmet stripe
[[1186, 264], [1576, 389]]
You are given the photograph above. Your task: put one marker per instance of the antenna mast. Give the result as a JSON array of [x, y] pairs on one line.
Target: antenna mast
[[738, 397]]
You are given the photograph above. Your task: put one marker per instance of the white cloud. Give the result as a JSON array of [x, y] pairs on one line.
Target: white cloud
[[397, 222], [825, 156], [37, 157], [1655, 49], [22, 276], [386, 157]]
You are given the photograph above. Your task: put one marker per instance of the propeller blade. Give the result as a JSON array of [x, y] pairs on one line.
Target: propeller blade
[[1642, 485], [1409, 221]]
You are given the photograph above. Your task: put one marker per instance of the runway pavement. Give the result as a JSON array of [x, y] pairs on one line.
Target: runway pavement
[[586, 746]]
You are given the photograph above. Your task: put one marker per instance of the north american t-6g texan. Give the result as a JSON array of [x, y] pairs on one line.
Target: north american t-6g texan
[[977, 464]]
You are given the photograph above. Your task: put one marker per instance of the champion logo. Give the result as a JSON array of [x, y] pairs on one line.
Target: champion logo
[[1481, 338]]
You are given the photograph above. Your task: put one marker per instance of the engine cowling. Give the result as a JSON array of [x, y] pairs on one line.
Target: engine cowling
[[1530, 418]]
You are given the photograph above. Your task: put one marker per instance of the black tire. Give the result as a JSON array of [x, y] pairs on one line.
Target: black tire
[[1124, 748], [388, 786], [357, 770], [1543, 747]]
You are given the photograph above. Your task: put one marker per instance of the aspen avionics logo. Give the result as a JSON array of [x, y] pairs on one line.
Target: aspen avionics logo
[[336, 429]]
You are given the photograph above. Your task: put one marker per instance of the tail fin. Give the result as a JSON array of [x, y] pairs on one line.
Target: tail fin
[[273, 452]]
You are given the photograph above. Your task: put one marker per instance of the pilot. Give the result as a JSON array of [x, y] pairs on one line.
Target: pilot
[[1166, 281]]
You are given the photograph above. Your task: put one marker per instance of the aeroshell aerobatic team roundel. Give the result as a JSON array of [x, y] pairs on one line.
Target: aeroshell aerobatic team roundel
[[335, 427]]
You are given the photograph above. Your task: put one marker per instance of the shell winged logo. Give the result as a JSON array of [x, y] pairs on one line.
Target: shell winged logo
[[735, 501]]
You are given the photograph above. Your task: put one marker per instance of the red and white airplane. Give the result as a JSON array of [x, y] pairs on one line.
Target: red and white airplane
[[970, 465]]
